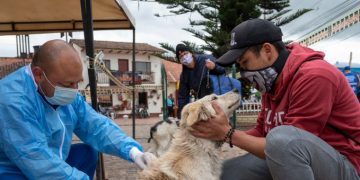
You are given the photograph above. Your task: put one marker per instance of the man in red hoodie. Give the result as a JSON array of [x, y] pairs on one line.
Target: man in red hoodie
[[309, 125]]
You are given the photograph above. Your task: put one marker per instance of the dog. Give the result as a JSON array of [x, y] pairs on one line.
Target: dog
[[191, 158], [161, 135]]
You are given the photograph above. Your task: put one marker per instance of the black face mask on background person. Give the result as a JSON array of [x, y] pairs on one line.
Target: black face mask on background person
[[264, 79]]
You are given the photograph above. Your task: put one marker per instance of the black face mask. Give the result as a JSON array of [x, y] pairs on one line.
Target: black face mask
[[264, 79]]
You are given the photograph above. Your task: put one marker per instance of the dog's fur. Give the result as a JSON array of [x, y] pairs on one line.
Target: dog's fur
[[191, 158], [161, 135]]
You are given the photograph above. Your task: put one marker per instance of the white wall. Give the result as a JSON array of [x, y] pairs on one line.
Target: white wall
[[155, 68]]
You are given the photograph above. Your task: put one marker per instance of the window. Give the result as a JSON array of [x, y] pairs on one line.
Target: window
[[144, 67]]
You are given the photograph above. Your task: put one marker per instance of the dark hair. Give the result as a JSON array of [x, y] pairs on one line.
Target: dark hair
[[182, 48], [279, 46]]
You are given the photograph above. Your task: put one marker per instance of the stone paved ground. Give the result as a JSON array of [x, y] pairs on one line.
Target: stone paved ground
[[118, 169]]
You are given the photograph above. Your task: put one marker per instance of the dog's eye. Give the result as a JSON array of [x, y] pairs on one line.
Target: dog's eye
[[214, 98]]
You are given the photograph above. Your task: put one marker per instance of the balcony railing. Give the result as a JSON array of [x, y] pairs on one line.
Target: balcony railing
[[126, 78], [102, 78]]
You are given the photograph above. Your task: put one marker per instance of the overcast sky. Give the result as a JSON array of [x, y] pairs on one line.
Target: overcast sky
[[149, 29], [153, 30]]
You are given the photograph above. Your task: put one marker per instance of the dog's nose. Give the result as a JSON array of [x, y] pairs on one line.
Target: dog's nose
[[235, 90]]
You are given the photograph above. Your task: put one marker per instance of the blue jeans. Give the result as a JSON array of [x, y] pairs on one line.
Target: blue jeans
[[84, 158], [81, 156], [291, 153]]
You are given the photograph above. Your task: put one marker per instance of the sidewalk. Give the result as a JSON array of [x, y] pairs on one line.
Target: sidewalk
[[118, 169]]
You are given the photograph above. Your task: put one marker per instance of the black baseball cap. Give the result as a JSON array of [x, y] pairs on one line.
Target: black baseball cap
[[246, 34], [182, 48]]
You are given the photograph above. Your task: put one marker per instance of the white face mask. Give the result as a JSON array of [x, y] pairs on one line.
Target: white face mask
[[187, 59], [62, 95]]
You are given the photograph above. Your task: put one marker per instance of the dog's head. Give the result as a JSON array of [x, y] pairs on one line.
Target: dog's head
[[169, 123], [202, 109]]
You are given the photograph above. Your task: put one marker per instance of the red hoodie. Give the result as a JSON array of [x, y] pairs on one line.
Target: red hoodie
[[310, 94]]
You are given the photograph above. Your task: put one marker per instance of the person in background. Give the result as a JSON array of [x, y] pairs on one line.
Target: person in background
[[170, 105], [194, 83], [358, 94], [309, 124], [353, 79], [41, 108]]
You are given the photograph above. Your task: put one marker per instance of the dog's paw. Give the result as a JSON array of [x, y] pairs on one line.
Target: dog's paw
[[149, 158]]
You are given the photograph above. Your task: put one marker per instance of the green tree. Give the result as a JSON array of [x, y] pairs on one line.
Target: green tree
[[220, 17]]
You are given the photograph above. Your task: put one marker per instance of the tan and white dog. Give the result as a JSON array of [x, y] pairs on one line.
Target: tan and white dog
[[191, 158]]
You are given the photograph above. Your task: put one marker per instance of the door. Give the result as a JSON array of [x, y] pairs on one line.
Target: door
[[143, 99], [123, 65]]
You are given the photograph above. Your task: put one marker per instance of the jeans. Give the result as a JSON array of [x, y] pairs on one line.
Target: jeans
[[84, 158], [291, 153], [81, 156]]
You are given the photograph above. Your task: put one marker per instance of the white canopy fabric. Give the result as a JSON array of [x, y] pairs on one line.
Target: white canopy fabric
[[46, 16]]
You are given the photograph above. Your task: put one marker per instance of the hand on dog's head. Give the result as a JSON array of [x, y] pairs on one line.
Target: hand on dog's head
[[203, 109], [194, 112]]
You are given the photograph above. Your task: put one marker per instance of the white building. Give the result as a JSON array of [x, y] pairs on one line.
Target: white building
[[331, 26], [118, 59]]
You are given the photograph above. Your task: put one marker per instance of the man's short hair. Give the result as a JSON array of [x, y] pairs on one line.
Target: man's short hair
[[182, 48], [279, 46]]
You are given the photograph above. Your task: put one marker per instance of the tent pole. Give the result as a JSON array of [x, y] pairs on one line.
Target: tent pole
[[133, 80], [86, 9]]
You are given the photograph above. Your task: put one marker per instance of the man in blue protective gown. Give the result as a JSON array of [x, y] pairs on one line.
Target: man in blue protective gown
[[40, 109]]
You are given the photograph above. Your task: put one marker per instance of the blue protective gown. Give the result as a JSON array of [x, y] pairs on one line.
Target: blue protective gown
[[35, 138]]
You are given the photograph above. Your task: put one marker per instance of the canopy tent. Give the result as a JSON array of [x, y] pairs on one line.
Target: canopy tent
[[44, 16], [19, 17]]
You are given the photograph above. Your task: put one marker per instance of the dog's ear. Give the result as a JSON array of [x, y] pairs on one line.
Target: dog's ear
[[188, 113], [207, 111], [195, 112]]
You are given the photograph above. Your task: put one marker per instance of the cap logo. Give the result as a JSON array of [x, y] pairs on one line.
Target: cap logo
[[233, 42]]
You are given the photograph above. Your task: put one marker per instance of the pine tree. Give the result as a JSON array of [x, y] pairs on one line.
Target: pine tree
[[221, 16]]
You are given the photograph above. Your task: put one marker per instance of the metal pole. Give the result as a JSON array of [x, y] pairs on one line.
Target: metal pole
[[21, 45], [17, 45], [233, 119], [28, 44], [25, 45], [350, 60], [133, 80], [86, 9], [164, 91]]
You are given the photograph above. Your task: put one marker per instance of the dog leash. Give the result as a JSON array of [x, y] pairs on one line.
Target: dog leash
[[201, 78]]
